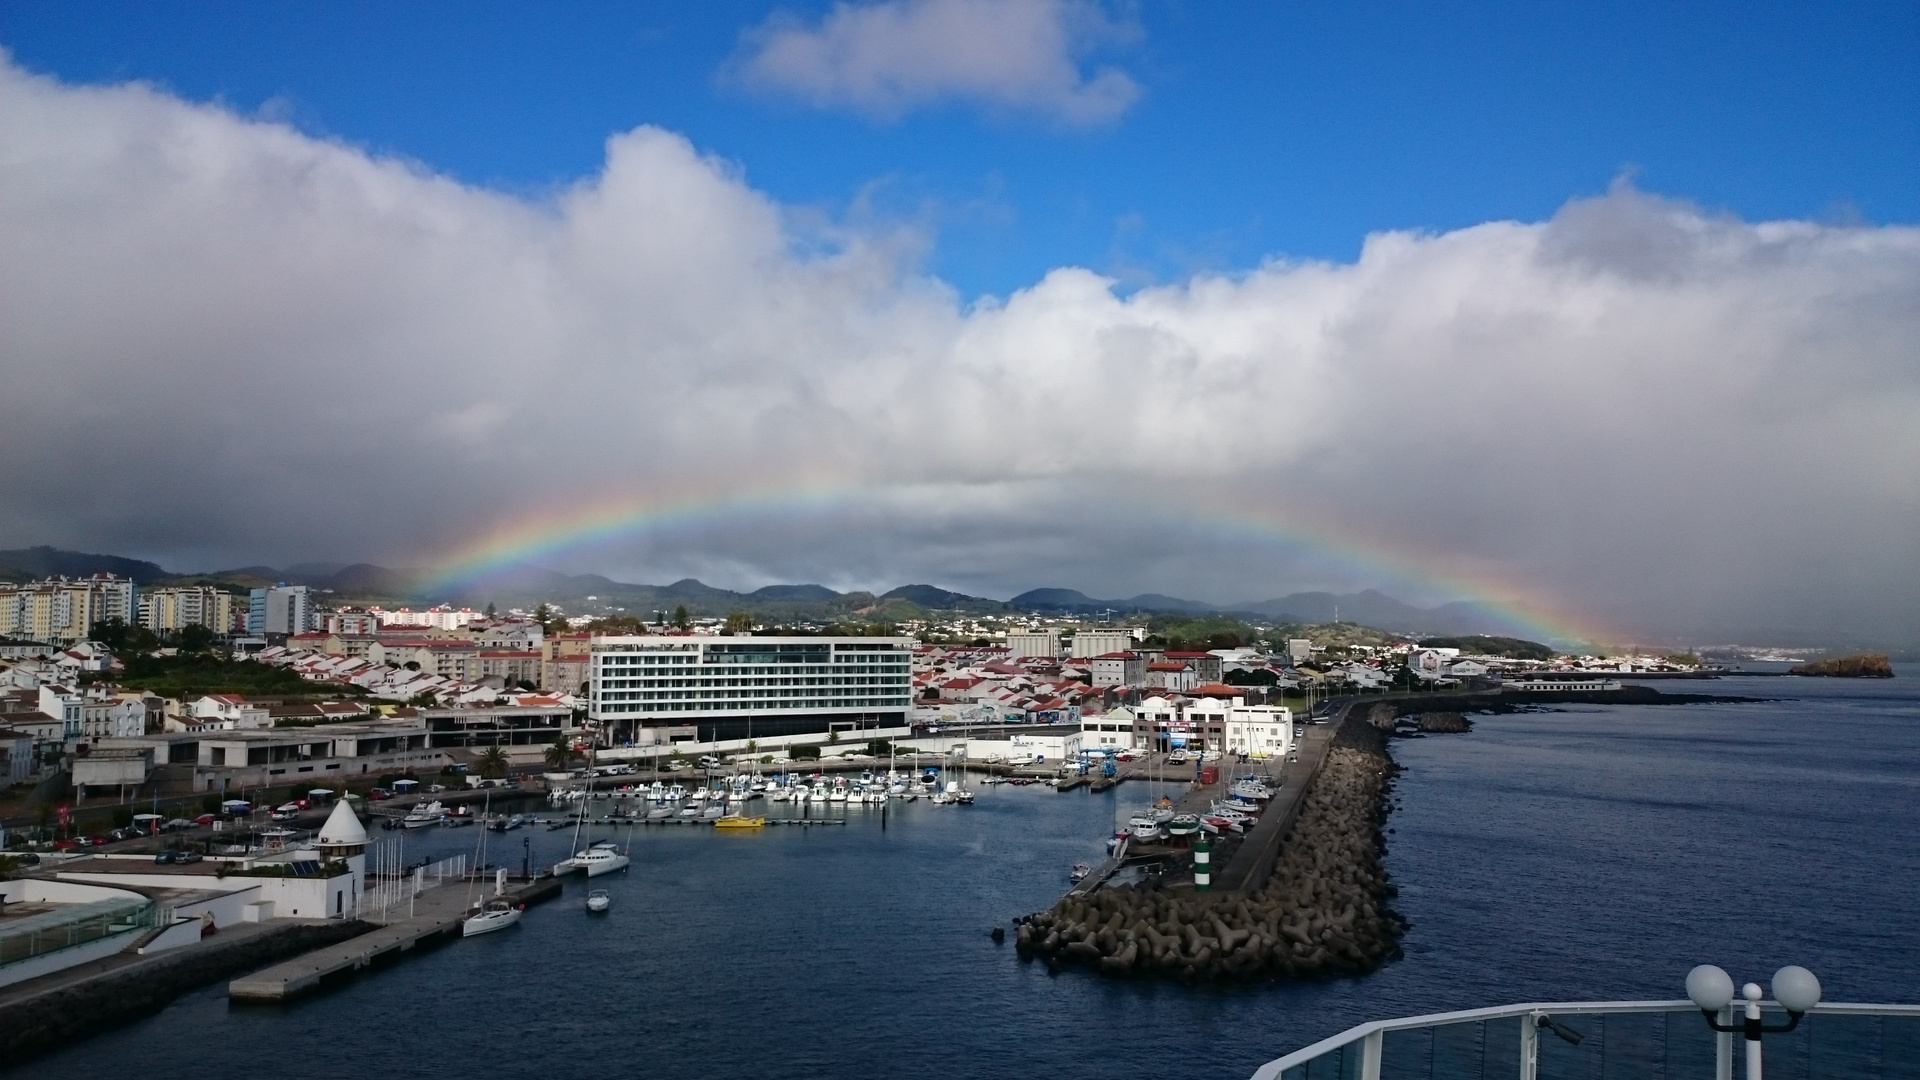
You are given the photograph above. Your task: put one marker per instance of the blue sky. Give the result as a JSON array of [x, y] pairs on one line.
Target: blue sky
[[1259, 130]]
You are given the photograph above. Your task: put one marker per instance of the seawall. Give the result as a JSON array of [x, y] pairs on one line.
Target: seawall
[[37, 1018]]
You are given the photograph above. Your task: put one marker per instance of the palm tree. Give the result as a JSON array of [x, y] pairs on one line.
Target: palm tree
[[560, 755], [493, 763]]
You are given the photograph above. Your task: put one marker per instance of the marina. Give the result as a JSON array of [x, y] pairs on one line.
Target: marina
[[855, 897]]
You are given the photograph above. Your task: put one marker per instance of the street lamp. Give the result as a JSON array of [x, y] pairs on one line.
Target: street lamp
[[1795, 988]]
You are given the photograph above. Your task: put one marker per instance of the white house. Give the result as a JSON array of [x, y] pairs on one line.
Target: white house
[[229, 712]]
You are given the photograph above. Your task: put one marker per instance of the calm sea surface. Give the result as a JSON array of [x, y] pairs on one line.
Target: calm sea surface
[[1585, 853]]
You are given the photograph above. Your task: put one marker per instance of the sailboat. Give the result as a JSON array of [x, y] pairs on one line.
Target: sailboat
[[496, 914]]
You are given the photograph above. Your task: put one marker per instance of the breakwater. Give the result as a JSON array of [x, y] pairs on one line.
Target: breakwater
[[1322, 910], [32, 1023]]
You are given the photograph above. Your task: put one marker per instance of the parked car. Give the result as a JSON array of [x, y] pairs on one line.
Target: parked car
[[165, 858], [708, 761], [379, 794], [186, 856], [204, 819]]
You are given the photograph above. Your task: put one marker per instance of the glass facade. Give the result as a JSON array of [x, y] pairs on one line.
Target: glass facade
[[731, 687]]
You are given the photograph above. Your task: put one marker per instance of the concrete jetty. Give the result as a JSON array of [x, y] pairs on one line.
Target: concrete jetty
[[434, 915]]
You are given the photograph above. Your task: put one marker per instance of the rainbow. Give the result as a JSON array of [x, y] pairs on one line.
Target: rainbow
[[544, 534]]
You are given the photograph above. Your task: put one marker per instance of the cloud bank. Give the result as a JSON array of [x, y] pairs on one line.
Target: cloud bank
[[224, 342], [886, 59]]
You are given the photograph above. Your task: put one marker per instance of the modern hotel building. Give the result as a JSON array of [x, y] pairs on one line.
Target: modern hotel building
[[731, 689]]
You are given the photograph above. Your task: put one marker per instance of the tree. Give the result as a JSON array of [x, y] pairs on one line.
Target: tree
[[739, 623], [681, 619], [194, 638], [493, 763], [489, 609], [123, 638], [560, 755]]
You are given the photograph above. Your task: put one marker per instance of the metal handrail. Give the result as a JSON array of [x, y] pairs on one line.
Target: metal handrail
[[1373, 1029]]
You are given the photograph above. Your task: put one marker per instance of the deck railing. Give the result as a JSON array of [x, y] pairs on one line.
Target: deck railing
[[1659, 1040]]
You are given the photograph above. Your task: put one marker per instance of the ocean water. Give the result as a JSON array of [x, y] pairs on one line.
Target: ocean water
[[1587, 852]]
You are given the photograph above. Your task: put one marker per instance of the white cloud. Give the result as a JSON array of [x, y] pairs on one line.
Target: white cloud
[[226, 343], [885, 59]]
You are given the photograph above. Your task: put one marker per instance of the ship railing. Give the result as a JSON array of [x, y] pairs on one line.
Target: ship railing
[[1605, 1040]]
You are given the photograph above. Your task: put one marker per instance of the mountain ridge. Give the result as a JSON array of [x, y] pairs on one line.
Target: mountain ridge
[[527, 586]]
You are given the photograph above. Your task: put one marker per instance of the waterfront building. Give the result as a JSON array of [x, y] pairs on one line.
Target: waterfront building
[[1088, 644], [750, 688], [1041, 642], [322, 755], [1110, 730], [281, 609], [536, 722]]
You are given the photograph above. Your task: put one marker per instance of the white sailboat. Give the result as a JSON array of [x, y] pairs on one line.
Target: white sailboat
[[496, 914]]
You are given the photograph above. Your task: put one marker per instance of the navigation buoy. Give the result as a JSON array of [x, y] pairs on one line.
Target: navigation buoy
[[1202, 865]]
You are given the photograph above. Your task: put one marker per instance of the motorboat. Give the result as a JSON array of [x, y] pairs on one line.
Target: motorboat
[[713, 810], [1183, 825], [658, 813], [1216, 824], [424, 815], [1079, 872], [599, 900], [1142, 827], [496, 914], [735, 821]]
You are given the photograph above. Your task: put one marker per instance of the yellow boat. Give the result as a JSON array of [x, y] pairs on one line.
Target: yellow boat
[[735, 821]]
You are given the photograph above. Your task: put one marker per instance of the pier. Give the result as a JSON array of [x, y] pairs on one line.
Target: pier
[[434, 915]]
